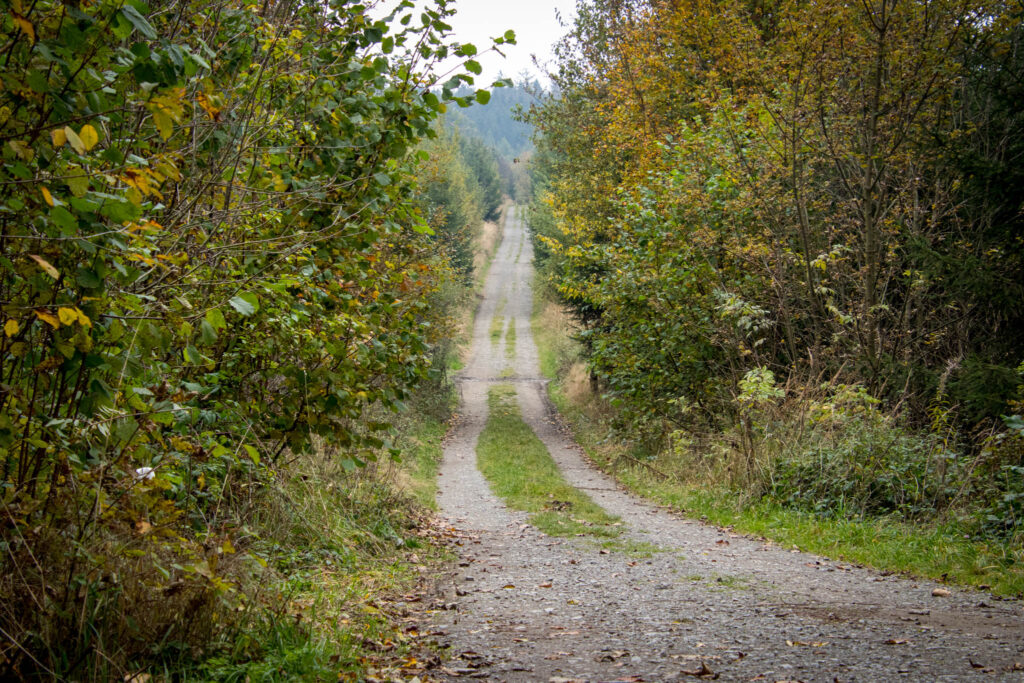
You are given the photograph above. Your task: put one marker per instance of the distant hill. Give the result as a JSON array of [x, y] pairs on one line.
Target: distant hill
[[494, 123]]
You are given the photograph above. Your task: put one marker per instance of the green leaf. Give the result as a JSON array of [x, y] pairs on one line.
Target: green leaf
[[207, 334], [483, 96], [87, 279], [245, 303], [216, 319], [164, 123], [192, 355], [64, 219], [140, 22], [253, 453], [78, 184], [473, 66], [164, 418]]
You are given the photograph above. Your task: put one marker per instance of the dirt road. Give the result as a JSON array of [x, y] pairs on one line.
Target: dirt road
[[528, 607]]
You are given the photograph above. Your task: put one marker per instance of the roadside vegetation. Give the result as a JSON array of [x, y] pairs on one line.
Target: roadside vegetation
[[788, 240], [236, 240], [944, 549]]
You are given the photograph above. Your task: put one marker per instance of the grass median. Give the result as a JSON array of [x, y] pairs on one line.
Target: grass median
[[523, 474]]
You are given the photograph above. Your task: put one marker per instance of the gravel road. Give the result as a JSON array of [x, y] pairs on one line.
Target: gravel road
[[522, 606]]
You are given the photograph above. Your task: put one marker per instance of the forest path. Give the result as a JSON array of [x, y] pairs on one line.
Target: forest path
[[709, 603]]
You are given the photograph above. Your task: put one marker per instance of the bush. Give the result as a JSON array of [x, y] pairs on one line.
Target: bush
[[871, 467]]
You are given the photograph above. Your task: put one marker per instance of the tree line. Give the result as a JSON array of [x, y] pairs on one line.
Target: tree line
[[797, 226], [220, 251]]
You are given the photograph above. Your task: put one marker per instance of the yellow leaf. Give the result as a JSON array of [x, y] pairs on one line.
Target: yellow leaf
[[76, 142], [11, 327], [83, 319], [48, 318], [23, 150], [45, 265], [164, 123], [89, 136], [58, 137], [227, 548], [46, 195], [25, 25], [67, 315]]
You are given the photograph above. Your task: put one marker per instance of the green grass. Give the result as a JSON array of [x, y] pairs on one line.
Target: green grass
[[421, 458], [551, 329], [523, 474], [939, 552], [338, 551], [631, 547], [510, 340], [498, 323]]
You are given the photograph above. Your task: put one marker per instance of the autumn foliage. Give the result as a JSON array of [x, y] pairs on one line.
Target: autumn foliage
[[756, 208], [214, 259]]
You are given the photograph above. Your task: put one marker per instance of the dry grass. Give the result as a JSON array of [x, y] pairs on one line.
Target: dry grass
[[487, 241]]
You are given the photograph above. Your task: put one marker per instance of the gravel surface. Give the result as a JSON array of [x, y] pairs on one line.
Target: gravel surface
[[522, 606]]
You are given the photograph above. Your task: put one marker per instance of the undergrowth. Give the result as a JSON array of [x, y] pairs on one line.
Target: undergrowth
[[829, 474]]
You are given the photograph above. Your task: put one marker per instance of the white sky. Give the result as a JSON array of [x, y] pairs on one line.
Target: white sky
[[534, 21]]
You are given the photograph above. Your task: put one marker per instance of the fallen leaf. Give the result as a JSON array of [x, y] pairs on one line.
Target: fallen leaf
[[611, 655], [546, 584], [897, 641], [940, 593], [703, 672]]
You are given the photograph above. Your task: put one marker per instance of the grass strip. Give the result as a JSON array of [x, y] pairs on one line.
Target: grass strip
[[510, 339], [523, 474]]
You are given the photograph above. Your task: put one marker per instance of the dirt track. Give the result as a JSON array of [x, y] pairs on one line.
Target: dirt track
[[527, 607]]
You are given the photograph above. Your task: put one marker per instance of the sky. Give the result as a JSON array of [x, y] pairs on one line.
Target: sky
[[534, 21]]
